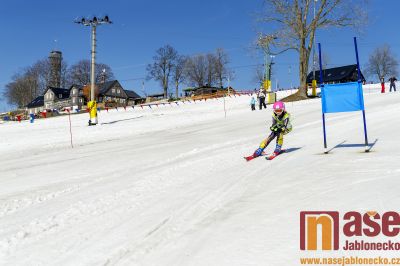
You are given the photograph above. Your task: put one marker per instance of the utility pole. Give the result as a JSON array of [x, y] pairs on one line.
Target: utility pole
[[229, 86], [264, 42], [143, 89], [92, 105], [270, 68], [314, 82]]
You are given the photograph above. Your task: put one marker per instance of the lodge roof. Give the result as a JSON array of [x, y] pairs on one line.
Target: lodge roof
[[336, 74], [132, 94], [37, 102], [59, 91], [104, 87]]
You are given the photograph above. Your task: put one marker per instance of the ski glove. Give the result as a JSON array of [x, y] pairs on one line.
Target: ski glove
[[277, 128]]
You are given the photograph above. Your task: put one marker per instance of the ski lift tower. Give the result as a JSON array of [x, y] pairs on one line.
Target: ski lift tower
[[93, 22], [264, 42]]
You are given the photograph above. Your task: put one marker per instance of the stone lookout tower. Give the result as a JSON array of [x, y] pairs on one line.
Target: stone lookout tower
[[55, 58]]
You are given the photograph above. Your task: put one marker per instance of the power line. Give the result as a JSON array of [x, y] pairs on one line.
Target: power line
[[130, 66], [131, 79]]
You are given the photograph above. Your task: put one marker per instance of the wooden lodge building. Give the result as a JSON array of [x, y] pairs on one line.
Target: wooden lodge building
[[336, 75], [111, 93]]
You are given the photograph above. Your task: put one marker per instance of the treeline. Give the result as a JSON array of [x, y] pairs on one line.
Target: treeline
[[170, 68], [32, 81]]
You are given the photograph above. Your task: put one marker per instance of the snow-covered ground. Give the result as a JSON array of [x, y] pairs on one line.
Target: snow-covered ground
[[169, 185]]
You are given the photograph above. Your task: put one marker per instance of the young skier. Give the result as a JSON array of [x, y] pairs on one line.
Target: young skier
[[253, 103], [280, 126]]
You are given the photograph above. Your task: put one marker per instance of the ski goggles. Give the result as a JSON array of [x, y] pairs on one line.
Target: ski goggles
[[278, 111]]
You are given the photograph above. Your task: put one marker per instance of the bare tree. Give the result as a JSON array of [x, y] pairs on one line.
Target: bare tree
[[382, 63], [21, 91], [162, 66], [209, 69], [41, 73], [79, 73], [326, 61], [222, 73], [259, 75], [31, 82], [296, 25], [178, 72], [210, 73], [196, 70]]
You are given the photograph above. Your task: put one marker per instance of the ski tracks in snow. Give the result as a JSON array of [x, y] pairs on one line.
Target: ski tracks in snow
[[61, 220]]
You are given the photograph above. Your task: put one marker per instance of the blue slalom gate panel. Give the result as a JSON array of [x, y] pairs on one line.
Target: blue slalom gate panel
[[343, 97]]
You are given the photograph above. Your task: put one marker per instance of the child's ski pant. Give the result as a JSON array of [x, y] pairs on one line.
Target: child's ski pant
[[279, 141]]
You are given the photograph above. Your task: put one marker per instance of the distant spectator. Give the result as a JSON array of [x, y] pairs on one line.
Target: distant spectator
[[392, 84], [253, 103], [261, 98]]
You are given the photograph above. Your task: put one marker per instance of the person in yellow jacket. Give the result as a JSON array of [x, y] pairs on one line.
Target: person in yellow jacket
[[280, 126]]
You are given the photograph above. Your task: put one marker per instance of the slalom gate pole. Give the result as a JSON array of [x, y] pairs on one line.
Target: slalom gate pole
[[363, 111], [358, 62], [224, 106], [321, 81], [70, 127], [365, 132]]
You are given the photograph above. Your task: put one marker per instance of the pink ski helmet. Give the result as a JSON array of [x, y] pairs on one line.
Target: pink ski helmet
[[278, 107]]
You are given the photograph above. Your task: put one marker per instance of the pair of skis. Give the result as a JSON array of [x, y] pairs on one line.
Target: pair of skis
[[267, 157]]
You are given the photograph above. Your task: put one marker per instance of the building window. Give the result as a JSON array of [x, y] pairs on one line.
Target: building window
[[118, 91], [113, 90], [60, 96]]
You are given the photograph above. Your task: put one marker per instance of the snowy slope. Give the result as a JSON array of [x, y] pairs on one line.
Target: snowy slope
[[169, 186]]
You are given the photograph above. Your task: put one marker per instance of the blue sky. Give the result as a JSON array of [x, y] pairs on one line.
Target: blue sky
[[29, 30]]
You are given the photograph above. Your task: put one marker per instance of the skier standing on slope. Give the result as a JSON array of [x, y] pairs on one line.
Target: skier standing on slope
[[253, 103], [261, 98], [392, 83], [280, 126]]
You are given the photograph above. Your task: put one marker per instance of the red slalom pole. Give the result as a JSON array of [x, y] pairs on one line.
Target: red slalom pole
[[70, 127]]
